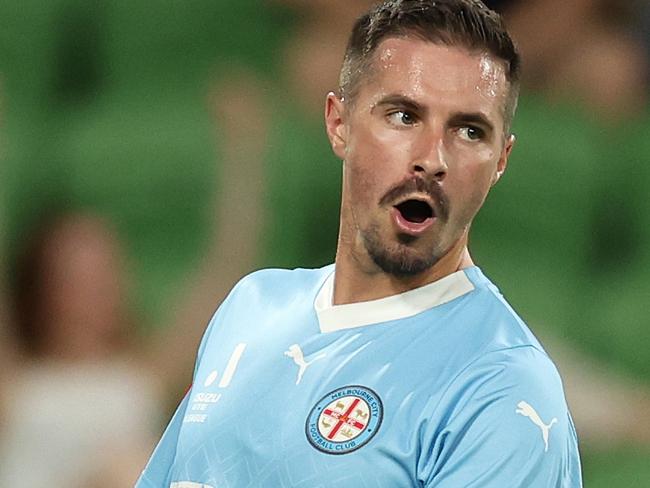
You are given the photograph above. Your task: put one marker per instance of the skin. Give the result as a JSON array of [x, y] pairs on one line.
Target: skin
[[82, 300], [427, 114]]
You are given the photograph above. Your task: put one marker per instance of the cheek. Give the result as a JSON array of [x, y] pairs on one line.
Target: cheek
[[473, 183], [372, 166], [364, 183]]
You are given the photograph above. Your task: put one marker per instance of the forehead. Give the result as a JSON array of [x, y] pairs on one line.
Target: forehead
[[435, 73]]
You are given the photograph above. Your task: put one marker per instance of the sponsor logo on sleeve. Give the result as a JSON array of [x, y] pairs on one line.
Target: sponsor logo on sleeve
[[525, 409], [203, 401]]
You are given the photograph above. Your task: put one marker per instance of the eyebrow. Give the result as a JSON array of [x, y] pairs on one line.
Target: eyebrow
[[408, 103], [400, 101], [472, 118]]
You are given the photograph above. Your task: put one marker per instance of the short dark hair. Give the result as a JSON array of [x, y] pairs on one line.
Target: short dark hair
[[465, 23]]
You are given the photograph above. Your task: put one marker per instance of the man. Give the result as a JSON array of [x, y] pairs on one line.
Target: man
[[401, 364]]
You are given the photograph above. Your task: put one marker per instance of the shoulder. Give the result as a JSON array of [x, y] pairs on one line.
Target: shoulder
[[497, 381], [491, 321], [258, 294], [506, 364], [508, 410], [272, 280], [267, 289], [524, 371], [502, 419]]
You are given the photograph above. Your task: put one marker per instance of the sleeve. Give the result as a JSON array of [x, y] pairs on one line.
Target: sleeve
[[503, 422], [156, 474]]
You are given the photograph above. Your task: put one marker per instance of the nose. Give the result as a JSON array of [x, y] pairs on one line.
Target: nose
[[431, 157]]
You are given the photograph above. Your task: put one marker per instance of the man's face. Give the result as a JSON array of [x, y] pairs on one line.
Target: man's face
[[422, 144]]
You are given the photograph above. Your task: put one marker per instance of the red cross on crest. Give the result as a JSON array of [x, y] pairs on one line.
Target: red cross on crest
[[344, 419]]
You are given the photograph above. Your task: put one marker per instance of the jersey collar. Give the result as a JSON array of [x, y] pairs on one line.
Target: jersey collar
[[339, 317]]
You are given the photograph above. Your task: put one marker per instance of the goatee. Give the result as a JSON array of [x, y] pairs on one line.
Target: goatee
[[402, 261]]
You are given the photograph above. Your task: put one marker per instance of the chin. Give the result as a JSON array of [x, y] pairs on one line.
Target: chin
[[402, 260], [400, 255]]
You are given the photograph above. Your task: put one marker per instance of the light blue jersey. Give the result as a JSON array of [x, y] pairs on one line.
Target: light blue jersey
[[442, 386]]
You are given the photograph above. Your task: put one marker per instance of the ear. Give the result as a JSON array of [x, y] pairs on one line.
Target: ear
[[502, 164], [336, 124]]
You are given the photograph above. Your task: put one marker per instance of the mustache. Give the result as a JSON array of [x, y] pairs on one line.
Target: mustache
[[419, 185]]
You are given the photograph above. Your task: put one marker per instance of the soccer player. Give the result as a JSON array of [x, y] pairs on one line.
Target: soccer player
[[401, 364]]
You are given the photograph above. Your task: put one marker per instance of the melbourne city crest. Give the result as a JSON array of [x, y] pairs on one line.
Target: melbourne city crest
[[344, 420]]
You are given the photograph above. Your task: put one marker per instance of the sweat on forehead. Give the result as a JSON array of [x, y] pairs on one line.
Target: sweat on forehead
[[390, 52], [413, 67], [432, 75], [462, 23]]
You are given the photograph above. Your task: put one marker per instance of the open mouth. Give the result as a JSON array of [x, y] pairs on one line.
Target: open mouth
[[415, 211]]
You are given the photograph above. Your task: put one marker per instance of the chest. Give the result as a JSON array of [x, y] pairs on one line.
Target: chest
[[277, 403]]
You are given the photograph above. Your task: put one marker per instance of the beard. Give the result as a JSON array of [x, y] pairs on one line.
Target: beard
[[402, 258], [399, 259]]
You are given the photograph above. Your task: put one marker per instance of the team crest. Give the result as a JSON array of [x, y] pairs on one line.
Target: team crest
[[344, 420]]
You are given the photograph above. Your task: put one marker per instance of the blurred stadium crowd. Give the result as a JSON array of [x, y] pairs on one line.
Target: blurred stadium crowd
[[155, 151]]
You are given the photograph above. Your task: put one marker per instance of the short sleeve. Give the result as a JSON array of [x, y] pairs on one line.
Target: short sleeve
[[156, 473], [503, 422]]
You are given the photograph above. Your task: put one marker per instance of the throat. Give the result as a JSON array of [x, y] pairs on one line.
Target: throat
[[359, 279]]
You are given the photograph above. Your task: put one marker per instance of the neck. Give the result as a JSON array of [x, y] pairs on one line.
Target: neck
[[357, 281]]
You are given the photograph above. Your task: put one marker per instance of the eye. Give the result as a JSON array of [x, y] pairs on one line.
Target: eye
[[401, 118], [471, 133]]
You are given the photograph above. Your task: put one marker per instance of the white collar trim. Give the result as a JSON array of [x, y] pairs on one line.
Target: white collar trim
[[339, 317]]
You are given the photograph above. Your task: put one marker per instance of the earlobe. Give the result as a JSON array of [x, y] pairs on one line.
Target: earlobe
[[503, 159], [335, 124]]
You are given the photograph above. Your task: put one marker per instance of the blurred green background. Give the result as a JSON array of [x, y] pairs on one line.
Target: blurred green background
[[106, 105]]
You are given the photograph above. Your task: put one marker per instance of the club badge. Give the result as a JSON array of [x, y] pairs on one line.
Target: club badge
[[344, 420]]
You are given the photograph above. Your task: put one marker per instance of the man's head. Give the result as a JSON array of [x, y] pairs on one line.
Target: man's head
[[422, 127], [461, 23]]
